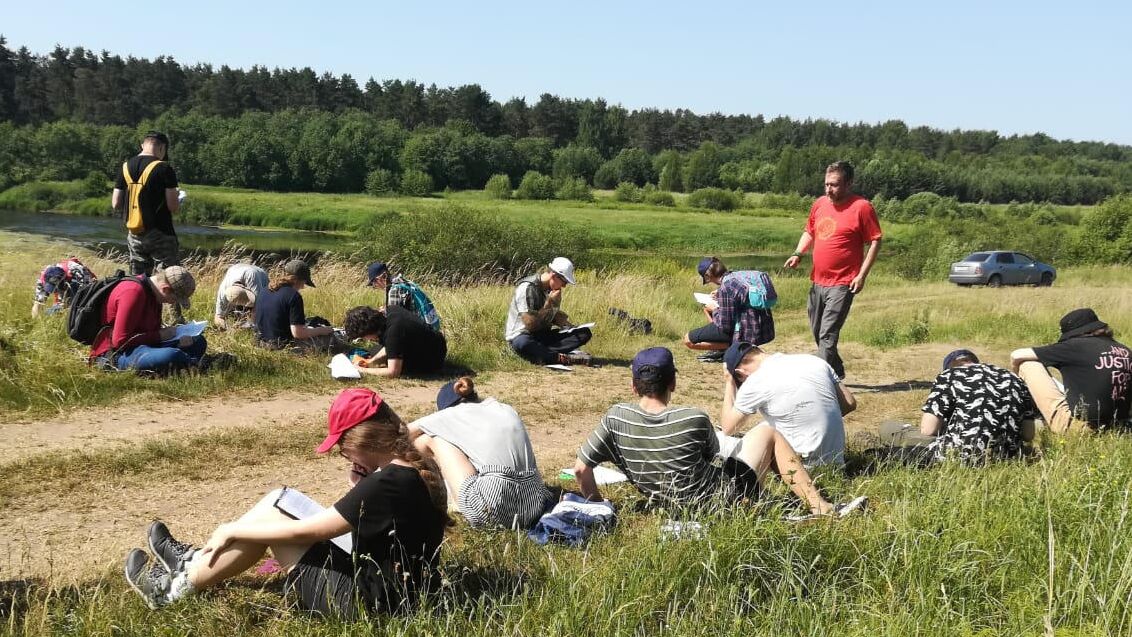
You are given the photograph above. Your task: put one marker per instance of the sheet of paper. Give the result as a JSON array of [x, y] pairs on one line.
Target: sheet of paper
[[341, 367], [602, 475], [703, 299], [300, 506], [196, 328], [577, 327], [561, 368]]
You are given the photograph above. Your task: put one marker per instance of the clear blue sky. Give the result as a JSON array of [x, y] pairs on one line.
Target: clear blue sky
[[1062, 68]]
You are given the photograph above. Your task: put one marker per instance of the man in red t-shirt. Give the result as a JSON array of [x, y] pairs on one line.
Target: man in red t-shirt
[[841, 224]]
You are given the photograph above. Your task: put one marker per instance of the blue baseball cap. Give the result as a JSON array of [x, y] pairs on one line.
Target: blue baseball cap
[[702, 268], [734, 355], [957, 354], [447, 396], [52, 278], [658, 358], [375, 270]]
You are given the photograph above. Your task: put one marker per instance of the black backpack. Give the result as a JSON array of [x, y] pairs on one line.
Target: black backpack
[[84, 320]]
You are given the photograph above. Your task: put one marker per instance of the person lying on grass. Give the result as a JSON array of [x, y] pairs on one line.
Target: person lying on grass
[[535, 320], [669, 452], [731, 316], [407, 344], [281, 320], [395, 510], [485, 456]]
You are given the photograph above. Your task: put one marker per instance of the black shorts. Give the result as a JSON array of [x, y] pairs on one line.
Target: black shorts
[[708, 334], [740, 480], [324, 582]]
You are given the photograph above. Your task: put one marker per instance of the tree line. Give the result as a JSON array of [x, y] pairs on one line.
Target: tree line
[[71, 112]]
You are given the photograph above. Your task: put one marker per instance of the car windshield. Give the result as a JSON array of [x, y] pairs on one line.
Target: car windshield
[[977, 257]]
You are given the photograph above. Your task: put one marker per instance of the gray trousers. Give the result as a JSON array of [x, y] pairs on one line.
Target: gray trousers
[[152, 248], [828, 308]]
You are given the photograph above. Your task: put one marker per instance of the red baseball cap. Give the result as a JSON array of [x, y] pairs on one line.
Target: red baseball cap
[[351, 407]]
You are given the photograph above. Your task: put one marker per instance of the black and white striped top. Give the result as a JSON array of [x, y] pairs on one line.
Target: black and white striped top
[[667, 455]]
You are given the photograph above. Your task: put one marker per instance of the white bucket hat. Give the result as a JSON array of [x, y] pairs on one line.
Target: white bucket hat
[[564, 267]]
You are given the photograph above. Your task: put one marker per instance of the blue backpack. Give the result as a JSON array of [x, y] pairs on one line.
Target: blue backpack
[[760, 290], [422, 305]]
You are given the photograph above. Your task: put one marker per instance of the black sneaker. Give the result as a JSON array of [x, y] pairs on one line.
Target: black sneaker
[[170, 553], [150, 581], [578, 357], [715, 356], [216, 362]]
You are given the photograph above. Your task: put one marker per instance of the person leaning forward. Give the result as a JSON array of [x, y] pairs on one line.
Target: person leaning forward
[[840, 224], [535, 319]]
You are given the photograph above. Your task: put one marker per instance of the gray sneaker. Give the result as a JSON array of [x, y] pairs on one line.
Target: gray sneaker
[[150, 581], [170, 553], [858, 503]]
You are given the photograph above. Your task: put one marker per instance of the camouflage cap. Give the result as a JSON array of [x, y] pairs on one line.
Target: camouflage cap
[[182, 283]]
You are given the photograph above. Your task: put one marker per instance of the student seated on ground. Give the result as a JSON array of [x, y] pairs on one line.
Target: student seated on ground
[[976, 411], [732, 317], [395, 509], [404, 293], [797, 394], [1096, 370], [133, 337], [407, 345], [669, 453], [236, 296], [61, 280], [535, 318], [281, 320], [485, 456]]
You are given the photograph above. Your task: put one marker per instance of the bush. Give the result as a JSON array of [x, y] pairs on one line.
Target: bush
[[498, 187], [628, 192], [535, 185], [715, 199], [791, 201], [606, 176], [659, 198], [459, 244], [95, 185], [1106, 232], [574, 190], [416, 183], [381, 182]]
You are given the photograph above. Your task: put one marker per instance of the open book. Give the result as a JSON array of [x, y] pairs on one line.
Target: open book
[[576, 328], [703, 299], [298, 505]]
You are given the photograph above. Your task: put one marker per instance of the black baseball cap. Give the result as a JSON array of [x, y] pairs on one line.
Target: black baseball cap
[[734, 355]]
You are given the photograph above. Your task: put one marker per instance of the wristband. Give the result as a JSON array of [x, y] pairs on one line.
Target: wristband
[[796, 254]]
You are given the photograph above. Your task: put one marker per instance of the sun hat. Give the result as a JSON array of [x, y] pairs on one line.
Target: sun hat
[[654, 362], [1079, 322], [182, 283], [564, 267], [375, 270], [349, 408], [239, 295], [734, 355], [299, 268], [957, 354]]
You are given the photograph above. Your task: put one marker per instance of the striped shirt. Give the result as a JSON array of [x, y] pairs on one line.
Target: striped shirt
[[667, 455]]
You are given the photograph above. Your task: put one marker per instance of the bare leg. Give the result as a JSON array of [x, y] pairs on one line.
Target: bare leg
[[454, 464], [764, 447], [704, 345], [240, 556]]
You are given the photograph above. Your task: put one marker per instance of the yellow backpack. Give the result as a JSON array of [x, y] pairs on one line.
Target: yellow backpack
[[134, 222]]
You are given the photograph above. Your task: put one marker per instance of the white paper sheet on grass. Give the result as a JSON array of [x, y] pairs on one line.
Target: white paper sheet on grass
[[559, 367], [576, 328], [703, 299], [602, 475], [341, 367], [196, 328]]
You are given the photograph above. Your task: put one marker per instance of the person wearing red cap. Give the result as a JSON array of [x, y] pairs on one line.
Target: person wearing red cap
[[395, 511]]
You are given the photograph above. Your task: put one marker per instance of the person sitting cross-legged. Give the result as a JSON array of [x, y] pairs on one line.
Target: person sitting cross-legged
[[670, 452], [536, 325]]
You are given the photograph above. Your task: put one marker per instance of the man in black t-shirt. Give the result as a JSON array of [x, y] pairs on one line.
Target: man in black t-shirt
[[146, 193], [1096, 371], [408, 344]]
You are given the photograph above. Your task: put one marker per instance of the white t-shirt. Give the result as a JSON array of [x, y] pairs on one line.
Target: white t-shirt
[[490, 433], [797, 395]]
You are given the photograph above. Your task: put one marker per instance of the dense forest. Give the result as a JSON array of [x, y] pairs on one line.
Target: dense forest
[[72, 112]]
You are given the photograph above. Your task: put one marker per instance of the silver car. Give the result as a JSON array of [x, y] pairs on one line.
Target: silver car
[[995, 268]]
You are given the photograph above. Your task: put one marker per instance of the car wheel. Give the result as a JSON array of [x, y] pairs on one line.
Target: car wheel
[[1047, 280], [995, 281]]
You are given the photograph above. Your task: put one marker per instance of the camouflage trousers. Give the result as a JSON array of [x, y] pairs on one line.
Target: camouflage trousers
[[150, 248]]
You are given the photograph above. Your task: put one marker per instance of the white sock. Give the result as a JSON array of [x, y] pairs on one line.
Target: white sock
[[180, 586]]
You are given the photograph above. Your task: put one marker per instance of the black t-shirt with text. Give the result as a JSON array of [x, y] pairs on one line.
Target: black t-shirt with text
[[407, 337], [1097, 372], [397, 535], [155, 211], [276, 312]]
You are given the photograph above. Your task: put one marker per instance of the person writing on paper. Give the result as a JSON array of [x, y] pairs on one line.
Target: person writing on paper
[[485, 456], [395, 509], [407, 344], [535, 320], [732, 314], [281, 320], [668, 452], [235, 298], [133, 337]]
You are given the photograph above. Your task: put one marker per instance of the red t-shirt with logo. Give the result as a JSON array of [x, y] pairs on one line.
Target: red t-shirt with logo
[[840, 233]]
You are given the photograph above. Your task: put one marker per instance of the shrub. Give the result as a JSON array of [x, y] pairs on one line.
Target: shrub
[[574, 190], [459, 244], [628, 192], [94, 185], [416, 183], [1106, 232], [715, 199], [659, 198], [535, 185], [381, 182], [791, 201], [498, 187], [606, 176], [576, 161]]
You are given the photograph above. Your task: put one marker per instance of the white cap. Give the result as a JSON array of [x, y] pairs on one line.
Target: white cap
[[563, 266]]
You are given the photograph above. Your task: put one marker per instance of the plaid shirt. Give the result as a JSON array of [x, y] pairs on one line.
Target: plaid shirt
[[398, 295], [734, 314]]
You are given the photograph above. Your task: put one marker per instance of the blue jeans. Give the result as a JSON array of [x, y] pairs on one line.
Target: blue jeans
[[543, 348], [163, 358]]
